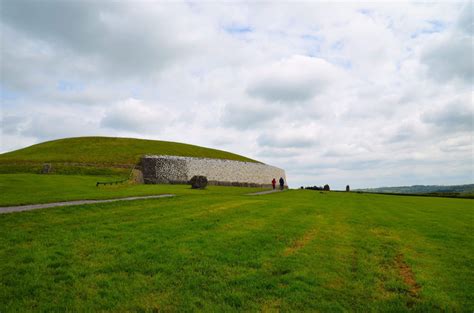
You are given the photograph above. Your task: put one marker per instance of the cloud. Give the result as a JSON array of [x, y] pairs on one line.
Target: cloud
[[135, 116], [296, 79], [288, 85], [456, 116], [284, 141], [451, 55], [45, 124], [247, 115], [12, 124], [466, 19], [459, 51], [273, 153], [116, 38]]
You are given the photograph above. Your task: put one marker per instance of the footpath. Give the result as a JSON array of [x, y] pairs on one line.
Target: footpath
[[264, 192], [19, 208]]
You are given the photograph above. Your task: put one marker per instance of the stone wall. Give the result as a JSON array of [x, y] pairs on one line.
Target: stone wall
[[174, 170]]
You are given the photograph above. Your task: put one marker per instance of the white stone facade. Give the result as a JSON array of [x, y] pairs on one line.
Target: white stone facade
[[176, 169]]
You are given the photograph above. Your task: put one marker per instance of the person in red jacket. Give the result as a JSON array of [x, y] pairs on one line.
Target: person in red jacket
[[274, 183]]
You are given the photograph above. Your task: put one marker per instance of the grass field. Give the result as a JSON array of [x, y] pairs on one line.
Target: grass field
[[18, 189], [107, 151], [220, 250]]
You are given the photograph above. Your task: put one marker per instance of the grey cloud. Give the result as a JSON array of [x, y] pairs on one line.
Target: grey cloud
[[27, 65], [403, 133], [345, 150], [452, 57], [12, 124], [135, 116], [275, 140], [275, 89], [74, 23], [131, 45], [464, 145], [97, 95], [247, 116], [455, 116], [277, 153], [120, 121], [466, 19], [49, 126]]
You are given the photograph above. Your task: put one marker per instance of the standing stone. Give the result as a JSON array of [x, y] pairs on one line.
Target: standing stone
[[198, 182], [348, 188], [46, 168]]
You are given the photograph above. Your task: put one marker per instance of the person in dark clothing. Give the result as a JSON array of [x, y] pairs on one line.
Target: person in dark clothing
[[282, 182], [274, 183]]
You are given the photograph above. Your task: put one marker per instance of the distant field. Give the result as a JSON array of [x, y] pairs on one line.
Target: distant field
[[219, 250], [454, 191], [71, 154]]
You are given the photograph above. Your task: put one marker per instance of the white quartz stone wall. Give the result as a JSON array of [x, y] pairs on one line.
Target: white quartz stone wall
[[175, 169]]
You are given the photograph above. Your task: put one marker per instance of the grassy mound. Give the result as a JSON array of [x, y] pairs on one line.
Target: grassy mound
[[101, 152]]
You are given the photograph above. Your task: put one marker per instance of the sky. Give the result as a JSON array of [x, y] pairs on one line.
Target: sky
[[365, 94]]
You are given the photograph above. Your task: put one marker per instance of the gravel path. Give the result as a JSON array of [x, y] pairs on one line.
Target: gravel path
[[264, 192], [9, 209]]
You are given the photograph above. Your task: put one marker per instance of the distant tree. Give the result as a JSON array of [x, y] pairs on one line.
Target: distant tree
[[348, 188], [326, 187]]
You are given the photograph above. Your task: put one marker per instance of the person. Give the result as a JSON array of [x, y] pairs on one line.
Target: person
[[274, 183], [282, 182]]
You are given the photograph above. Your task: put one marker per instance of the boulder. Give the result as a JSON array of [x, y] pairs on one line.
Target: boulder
[[46, 168], [198, 182]]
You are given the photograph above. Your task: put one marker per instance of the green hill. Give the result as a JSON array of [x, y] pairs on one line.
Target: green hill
[[100, 152]]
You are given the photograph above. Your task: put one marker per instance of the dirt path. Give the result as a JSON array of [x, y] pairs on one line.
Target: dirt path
[[19, 208]]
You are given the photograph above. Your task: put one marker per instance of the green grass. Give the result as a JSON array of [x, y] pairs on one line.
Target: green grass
[[18, 189], [219, 250], [109, 151]]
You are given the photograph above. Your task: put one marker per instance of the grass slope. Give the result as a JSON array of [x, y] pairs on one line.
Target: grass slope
[[109, 151], [219, 250]]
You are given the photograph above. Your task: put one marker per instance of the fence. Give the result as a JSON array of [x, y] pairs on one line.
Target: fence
[[117, 181]]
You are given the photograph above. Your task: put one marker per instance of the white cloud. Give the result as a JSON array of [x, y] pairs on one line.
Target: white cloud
[[296, 79], [135, 116]]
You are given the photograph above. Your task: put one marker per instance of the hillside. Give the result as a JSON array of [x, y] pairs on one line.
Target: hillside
[[99, 155]]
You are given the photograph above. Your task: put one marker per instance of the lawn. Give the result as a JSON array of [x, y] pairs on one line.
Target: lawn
[[18, 189], [220, 250]]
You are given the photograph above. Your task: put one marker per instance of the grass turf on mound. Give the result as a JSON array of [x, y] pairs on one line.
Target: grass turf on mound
[[218, 250], [108, 151]]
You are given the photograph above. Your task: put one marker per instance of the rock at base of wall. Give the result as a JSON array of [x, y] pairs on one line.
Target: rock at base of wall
[[137, 176], [198, 182]]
